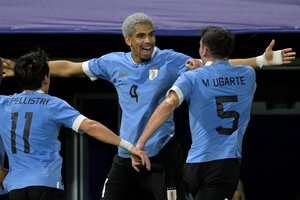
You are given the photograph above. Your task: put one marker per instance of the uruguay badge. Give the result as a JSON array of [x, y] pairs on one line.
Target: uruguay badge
[[153, 74], [171, 193]]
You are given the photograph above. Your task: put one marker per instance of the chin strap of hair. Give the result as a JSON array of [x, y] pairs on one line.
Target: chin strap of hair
[[262, 61], [125, 145]]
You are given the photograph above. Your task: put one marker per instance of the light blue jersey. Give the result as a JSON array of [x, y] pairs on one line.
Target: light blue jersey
[[219, 98], [2, 157], [30, 123], [141, 88]]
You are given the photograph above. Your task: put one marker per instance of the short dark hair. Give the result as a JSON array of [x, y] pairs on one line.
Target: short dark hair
[[219, 41], [31, 69]]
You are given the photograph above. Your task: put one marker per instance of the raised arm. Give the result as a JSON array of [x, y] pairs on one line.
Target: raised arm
[[59, 68], [270, 57], [102, 133]]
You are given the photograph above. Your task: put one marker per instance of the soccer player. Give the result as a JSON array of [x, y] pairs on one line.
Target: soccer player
[[30, 123], [219, 98], [141, 78]]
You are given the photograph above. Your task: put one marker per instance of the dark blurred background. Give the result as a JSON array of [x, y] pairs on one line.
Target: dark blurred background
[[270, 164]]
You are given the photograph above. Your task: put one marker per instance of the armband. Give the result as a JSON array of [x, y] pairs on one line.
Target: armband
[[125, 145]]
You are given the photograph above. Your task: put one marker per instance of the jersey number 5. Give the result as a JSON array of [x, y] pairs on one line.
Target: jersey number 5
[[26, 130], [227, 114]]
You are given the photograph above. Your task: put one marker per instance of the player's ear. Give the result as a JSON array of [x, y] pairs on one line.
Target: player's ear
[[47, 79], [127, 40], [205, 51]]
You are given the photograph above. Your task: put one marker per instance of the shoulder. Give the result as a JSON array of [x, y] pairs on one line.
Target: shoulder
[[190, 75], [170, 52], [55, 102], [201, 70], [2, 98], [248, 68], [114, 56]]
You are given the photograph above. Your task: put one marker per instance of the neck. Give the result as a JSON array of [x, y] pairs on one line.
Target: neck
[[219, 59], [29, 90]]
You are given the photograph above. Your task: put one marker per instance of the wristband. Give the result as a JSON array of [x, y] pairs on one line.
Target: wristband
[[261, 61], [125, 145], [277, 59]]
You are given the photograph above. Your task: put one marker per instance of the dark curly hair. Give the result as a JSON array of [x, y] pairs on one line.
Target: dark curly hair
[[31, 69]]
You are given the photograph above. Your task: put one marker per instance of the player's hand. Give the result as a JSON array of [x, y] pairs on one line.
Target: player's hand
[[1, 70], [139, 157], [135, 161], [193, 63], [287, 55], [8, 67]]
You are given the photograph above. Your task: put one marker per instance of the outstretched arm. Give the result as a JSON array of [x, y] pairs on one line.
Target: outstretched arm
[[59, 68], [102, 133], [64, 68], [270, 57]]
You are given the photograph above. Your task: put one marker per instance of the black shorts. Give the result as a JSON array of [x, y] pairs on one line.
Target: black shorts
[[37, 193], [165, 177], [4, 197], [214, 180]]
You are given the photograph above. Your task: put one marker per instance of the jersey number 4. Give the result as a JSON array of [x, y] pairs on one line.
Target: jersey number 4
[[220, 100], [26, 130]]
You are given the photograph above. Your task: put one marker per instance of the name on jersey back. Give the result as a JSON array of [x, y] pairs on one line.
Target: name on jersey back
[[25, 100], [224, 81]]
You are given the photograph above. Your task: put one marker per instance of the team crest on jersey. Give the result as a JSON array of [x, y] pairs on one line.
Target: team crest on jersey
[[171, 193], [153, 74]]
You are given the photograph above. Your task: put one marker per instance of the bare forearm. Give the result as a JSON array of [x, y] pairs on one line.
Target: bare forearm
[[99, 132], [245, 61], [159, 116], [64, 68]]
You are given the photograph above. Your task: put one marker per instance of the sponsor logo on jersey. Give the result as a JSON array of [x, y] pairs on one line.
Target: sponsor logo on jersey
[[122, 74]]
